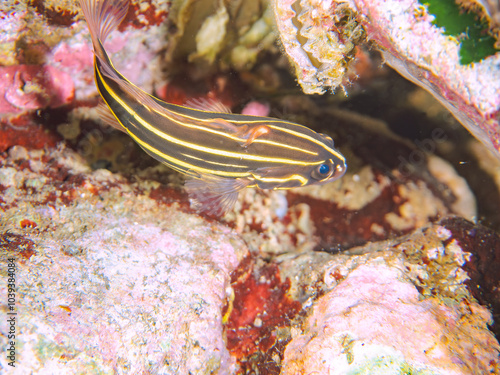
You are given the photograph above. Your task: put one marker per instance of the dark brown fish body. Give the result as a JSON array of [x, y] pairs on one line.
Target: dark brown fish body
[[221, 151]]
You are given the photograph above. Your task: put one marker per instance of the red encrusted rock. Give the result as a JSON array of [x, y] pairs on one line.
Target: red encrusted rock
[[258, 312], [24, 130], [484, 263], [318, 37], [31, 87], [396, 304]]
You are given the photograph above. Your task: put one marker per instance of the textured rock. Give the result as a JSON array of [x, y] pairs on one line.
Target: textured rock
[[51, 36], [116, 274], [403, 308], [324, 32], [108, 279], [31, 87]]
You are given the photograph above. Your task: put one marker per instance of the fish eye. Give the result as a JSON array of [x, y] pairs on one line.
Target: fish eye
[[322, 171]]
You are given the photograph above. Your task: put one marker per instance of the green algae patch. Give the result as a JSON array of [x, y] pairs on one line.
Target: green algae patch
[[388, 365], [475, 42]]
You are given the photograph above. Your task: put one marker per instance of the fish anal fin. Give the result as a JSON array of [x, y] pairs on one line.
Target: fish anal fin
[[108, 118], [214, 195], [207, 105]]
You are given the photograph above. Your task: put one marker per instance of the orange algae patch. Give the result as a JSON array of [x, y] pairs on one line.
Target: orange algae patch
[[26, 223], [16, 245], [23, 131], [150, 16], [261, 305]]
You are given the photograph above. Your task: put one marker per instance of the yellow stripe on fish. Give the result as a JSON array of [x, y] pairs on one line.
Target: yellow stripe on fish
[[221, 152]]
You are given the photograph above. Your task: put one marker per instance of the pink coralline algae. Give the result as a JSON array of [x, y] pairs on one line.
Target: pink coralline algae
[[133, 286], [398, 306], [256, 109], [373, 322], [32, 87], [77, 57]]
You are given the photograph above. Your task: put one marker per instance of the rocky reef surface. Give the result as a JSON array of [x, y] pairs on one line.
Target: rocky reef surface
[[387, 270], [320, 38], [119, 276]]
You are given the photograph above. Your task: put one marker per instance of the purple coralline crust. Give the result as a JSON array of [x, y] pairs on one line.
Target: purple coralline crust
[[53, 38], [118, 276], [374, 315], [400, 305], [32, 87], [107, 278], [422, 53]]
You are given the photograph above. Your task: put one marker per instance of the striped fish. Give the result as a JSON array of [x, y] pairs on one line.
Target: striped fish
[[220, 152]]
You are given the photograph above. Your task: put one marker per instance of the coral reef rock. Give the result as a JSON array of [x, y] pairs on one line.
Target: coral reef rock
[[106, 278], [318, 37], [398, 308]]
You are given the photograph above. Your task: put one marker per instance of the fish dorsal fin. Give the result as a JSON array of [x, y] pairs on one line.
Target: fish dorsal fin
[[327, 139], [207, 105], [107, 117], [214, 195]]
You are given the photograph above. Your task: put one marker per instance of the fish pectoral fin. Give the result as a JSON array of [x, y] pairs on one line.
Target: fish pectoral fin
[[247, 134], [108, 118], [251, 133], [214, 195], [207, 105], [221, 124]]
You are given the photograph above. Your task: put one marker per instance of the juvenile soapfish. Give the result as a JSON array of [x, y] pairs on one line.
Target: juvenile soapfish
[[220, 152]]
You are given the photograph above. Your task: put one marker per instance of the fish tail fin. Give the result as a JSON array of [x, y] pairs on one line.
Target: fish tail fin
[[103, 16]]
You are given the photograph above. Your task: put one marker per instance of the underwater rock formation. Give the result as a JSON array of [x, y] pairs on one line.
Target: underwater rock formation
[[120, 286], [115, 272], [375, 320], [319, 36], [51, 35], [32, 87]]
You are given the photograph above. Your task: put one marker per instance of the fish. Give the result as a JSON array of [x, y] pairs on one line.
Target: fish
[[220, 152]]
